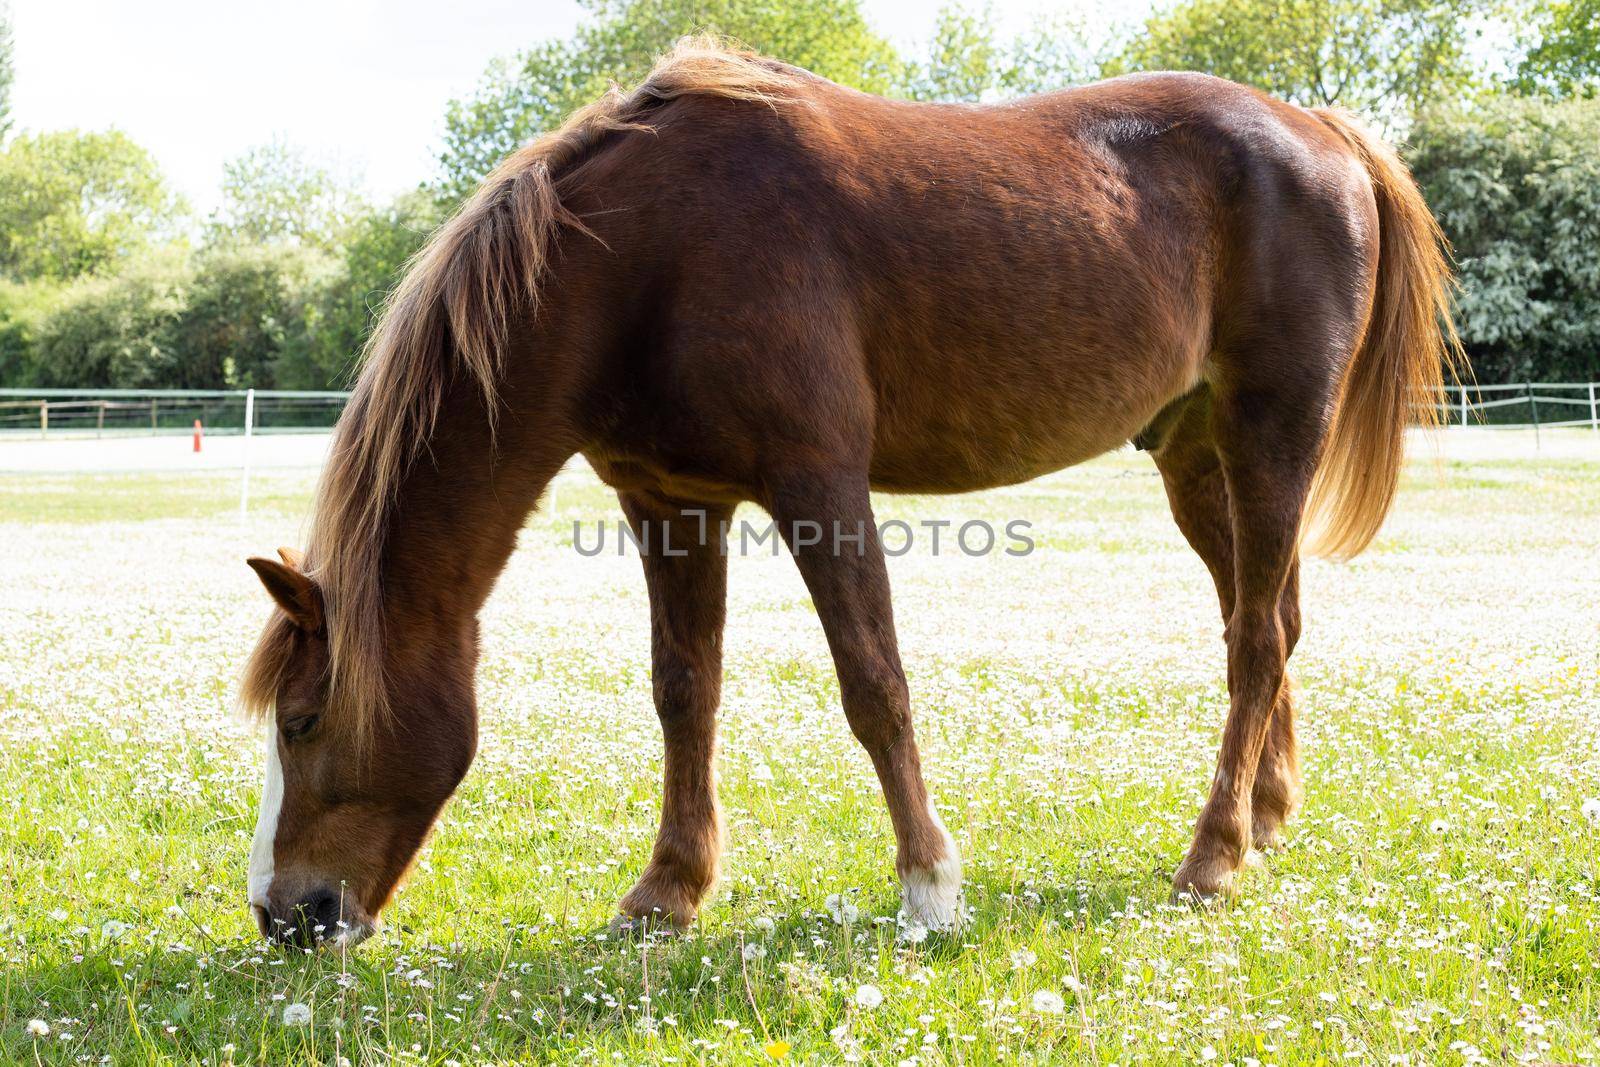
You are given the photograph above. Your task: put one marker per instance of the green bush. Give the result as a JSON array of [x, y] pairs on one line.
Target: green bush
[[228, 319], [246, 316], [276, 315], [349, 298], [1515, 183], [23, 305], [116, 332]]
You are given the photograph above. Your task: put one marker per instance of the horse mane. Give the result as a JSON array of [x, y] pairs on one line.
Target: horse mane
[[450, 314]]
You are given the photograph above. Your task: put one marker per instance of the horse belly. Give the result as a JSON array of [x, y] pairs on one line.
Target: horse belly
[[972, 419], [1044, 343]]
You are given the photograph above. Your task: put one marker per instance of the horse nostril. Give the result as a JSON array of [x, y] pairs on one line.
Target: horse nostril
[[315, 918], [320, 915], [326, 910]]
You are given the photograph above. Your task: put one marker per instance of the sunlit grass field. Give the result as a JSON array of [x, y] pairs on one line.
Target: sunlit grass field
[[1438, 900]]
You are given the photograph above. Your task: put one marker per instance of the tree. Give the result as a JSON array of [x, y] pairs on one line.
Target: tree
[[1565, 55], [274, 194], [75, 203], [7, 69], [534, 90], [1056, 52], [965, 62], [340, 318], [1515, 183], [1383, 58]]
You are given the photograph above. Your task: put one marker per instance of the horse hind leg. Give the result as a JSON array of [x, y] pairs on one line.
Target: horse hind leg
[[1197, 491], [1266, 441], [1278, 792]]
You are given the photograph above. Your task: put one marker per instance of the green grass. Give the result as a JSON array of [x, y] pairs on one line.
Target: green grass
[[1438, 899], [36, 499]]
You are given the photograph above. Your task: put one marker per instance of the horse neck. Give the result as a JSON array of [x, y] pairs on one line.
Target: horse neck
[[458, 511]]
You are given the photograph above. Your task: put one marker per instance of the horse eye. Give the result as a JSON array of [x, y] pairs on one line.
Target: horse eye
[[297, 728]]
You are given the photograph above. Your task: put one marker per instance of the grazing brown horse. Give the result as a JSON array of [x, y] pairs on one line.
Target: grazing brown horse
[[740, 282]]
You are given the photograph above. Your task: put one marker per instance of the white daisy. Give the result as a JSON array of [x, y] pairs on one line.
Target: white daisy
[[868, 997], [1048, 1002], [844, 913]]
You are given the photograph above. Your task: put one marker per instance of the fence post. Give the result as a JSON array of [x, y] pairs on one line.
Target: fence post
[[249, 429], [153, 402], [44, 417], [100, 421], [1463, 405], [1594, 411], [1533, 408]]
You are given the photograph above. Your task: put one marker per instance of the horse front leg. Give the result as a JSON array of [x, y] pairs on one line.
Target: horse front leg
[[688, 594], [826, 519]]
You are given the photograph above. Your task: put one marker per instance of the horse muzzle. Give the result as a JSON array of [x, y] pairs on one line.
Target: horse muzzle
[[319, 917]]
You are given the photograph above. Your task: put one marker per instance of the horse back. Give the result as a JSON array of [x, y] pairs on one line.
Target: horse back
[[976, 294]]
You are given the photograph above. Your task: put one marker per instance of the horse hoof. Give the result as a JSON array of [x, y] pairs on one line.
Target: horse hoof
[[940, 920], [660, 900], [1264, 839], [644, 927], [1204, 884], [930, 895], [1267, 837]]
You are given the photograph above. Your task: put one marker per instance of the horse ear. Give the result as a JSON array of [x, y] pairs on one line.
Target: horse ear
[[292, 558], [296, 594]]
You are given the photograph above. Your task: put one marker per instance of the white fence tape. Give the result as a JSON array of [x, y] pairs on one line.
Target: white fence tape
[[1583, 395], [78, 413]]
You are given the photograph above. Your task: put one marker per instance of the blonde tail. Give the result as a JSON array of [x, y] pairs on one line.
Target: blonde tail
[[1397, 375]]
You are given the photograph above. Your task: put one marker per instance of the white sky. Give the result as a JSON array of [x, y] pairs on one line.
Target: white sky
[[360, 84]]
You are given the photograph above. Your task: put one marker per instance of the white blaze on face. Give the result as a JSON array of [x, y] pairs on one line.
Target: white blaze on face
[[266, 823]]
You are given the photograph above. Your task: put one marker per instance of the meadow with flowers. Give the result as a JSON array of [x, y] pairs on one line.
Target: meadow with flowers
[[1437, 901]]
